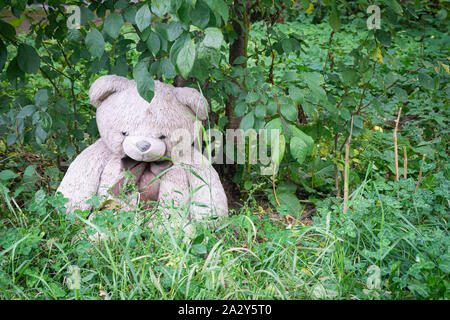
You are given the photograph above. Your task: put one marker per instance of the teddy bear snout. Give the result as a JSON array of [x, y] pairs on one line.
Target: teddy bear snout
[[142, 148], [143, 145]]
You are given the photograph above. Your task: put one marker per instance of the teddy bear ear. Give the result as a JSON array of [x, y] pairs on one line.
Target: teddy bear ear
[[193, 100], [105, 86]]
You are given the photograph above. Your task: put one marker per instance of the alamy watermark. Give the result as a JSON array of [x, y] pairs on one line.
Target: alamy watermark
[[237, 146], [374, 21], [74, 18]]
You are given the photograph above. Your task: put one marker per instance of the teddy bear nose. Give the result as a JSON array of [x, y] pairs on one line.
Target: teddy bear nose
[[143, 145]]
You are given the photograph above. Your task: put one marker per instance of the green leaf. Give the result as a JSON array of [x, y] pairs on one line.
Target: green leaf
[[240, 109], [252, 97], [113, 24], [29, 171], [7, 175], [160, 7], [26, 111], [41, 97], [297, 133], [143, 17], [121, 67], [400, 94], [11, 139], [239, 60], [200, 15], [186, 58], [43, 119], [168, 69], [95, 43], [176, 47], [309, 110], [7, 30], [318, 92], [395, 6], [298, 149], [62, 106], [272, 108], [274, 124], [288, 45], [220, 7], [183, 12], [144, 81], [28, 59], [174, 30], [278, 156], [213, 38], [248, 121], [313, 78], [40, 134], [130, 15], [289, 76], [350, 77], [426, 81], [153, 43], [288, 201], [3, 55], [335, 21], [345, 114], [86, 15], [74, 35], [384, 37], [289, 111], [296, 94], [260, 111]]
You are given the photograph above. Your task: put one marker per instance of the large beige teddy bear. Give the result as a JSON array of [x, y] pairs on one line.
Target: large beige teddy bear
[[149, 145]]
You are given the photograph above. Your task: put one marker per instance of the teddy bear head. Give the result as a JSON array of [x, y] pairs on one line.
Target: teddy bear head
[[145, 131]]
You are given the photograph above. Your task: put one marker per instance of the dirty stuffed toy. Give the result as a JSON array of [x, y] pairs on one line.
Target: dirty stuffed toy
[[148, 146]]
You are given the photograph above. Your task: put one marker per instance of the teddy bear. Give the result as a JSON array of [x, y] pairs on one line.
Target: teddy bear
[[148, 146]]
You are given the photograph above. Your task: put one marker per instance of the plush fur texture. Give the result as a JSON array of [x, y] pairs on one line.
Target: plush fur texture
[[131, 127]]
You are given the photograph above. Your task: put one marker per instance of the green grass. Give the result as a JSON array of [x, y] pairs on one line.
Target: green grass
[[385, 247]]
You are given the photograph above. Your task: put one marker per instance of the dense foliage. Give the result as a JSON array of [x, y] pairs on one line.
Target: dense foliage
[[312, 69]]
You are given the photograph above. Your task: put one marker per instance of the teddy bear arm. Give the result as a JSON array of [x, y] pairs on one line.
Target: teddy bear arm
[[82, 179]]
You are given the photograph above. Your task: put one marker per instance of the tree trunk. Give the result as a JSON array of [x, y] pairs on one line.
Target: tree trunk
[[237, 48], [239, 20]]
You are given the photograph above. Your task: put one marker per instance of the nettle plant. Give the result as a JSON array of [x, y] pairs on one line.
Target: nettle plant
[[266, 82]]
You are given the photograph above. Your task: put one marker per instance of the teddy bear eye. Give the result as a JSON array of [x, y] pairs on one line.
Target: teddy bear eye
[[125, 133], [162, 137]]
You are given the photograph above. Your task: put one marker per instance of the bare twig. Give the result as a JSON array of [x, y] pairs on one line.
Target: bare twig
[[405, 163], [420, 174], [336, 174], [347, 151], [307, 214], [395, 144]]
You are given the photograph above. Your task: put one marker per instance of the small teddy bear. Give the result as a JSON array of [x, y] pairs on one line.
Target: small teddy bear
[[153, 142]]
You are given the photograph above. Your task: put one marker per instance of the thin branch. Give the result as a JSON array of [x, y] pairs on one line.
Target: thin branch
[[395, 144], [405, 163], [420, 174], [51, 81], [336, 174], [347, 151]]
